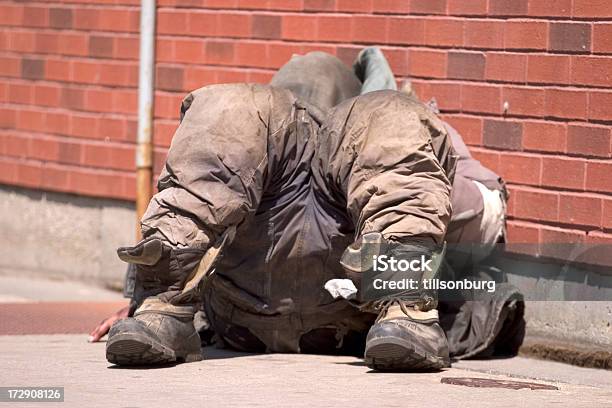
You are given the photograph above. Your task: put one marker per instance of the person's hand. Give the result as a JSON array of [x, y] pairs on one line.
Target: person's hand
[[106, 324]]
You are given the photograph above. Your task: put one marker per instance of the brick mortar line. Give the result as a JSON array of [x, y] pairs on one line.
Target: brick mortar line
[[68, 138], [471, 114], [586, 229], [57, 165], [67, 111], [68, 167], [540, 223], [62, 85], [70, 112], [85, 5], [76, 58], [133, 63], [520, 119], [57, 109], [534, 85], [445, 81], [50, 109], [476, 114], [478, 148], [99, 141], [98, 87], [524, 51], [398, 46], [540, 121], [72, 30], [541, 188], [533, 154], [543, 154], [93, 86], [326, 13], [82, 165], [309, 12], [129, 34], [80, 139], [373, 13], [501, 85], [557, 190], [76, 139]]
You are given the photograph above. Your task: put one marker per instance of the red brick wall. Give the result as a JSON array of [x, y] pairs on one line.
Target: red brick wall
[[68, 78]]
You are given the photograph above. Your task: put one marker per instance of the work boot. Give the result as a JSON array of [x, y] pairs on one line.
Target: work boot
[[406, 339], [159, 333], [407, 335], [163, 306]]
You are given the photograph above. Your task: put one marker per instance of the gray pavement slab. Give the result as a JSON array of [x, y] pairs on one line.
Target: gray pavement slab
[[227, 378]]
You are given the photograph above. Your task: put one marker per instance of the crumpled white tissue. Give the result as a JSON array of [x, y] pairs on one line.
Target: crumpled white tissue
[[344, 288]]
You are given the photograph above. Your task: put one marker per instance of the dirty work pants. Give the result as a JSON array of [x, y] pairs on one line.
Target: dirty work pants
[[298, 190]]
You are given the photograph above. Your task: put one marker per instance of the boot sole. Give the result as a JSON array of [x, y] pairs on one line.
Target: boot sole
[[138, 349], [393, 354]]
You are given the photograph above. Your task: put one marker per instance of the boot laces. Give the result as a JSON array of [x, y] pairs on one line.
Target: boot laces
[[381, 306]]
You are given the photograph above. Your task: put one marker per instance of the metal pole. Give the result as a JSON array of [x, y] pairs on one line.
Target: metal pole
[[144, 150]]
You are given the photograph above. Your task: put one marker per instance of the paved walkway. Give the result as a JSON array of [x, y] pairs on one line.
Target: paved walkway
[[227, 379], [233, 379]]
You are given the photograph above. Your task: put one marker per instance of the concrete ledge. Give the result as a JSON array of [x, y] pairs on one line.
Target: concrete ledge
[[567, 352], [583, 324], [63, 236]]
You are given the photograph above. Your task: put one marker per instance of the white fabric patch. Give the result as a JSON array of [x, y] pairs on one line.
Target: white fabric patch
[[344, 288], [493, 214]]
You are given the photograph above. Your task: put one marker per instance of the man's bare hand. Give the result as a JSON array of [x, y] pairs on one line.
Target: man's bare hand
[[106, 324]]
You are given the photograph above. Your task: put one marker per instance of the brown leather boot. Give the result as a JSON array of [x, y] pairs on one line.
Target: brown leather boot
[[407, 335], [406, 339], [161, 330], [159, 333]]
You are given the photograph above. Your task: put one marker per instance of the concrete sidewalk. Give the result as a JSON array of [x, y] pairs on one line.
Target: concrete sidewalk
[[227, 378], [234, 379]]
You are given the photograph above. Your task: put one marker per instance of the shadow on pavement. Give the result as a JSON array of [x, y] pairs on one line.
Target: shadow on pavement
[[142, 367], [213, 353]]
